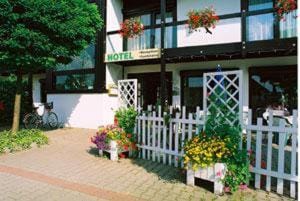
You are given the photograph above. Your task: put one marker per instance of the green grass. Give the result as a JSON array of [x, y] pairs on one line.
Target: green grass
[[21, 140]]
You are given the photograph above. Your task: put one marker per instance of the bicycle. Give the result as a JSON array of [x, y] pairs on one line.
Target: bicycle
[[35, 119]]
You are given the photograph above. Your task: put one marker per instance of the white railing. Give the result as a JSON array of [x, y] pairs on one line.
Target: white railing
[[161, 140], [275, 151]]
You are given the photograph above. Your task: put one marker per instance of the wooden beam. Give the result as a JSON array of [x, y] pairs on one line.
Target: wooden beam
[[163, 90]]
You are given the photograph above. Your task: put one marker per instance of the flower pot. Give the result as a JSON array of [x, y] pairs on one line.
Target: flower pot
[[214, 173], [113, 150], [100, 152]]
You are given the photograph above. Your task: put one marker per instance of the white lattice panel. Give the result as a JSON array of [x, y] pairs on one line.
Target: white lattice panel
[[127, 93], [226, 88]]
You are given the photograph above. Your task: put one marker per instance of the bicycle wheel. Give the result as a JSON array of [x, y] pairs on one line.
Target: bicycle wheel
[[52, 120], [31, 121]]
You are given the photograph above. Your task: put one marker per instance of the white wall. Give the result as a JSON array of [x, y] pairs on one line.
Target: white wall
[[226, 31], [113, 74], [84, 110], [36, 87], [241, 64], [114, 43]]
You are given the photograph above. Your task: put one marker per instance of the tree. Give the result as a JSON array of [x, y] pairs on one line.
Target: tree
[[40, 34]]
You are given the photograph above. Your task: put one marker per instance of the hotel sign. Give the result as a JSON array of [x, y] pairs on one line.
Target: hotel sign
[[133, 55]]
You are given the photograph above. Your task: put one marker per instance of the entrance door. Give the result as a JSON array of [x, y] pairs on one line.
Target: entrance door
[[149, 88]]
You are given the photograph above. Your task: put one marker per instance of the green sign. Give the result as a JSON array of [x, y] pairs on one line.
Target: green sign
[[133, 55]]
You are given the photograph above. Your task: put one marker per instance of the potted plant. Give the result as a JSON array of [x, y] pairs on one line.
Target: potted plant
[[206, 19], [284, 7], [215, 154], [113, 140], [131, 28], [204, 159]]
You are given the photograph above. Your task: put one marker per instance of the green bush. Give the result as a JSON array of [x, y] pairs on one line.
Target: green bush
[[126, 119], [21, 140], [8, 87]]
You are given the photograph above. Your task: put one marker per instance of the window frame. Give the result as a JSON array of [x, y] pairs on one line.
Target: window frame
[[153, 25]]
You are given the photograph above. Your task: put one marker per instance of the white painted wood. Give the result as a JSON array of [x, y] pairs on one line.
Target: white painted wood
[[149, 122], [176, 139], [249, 132], [154, 137], [127, 93], [159, 134], [258, 153], [190, 134], [170, 139], [144, 136], [269, 152], [281, 158], [293, 154], [165, 143], [183, 134]]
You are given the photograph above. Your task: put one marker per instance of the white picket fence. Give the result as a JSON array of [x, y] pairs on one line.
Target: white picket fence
[[275, 166]]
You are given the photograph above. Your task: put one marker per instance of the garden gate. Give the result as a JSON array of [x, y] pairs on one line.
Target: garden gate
[[127, 93]]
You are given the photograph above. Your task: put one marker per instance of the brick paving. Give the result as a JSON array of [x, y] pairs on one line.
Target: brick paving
[[68, 169]]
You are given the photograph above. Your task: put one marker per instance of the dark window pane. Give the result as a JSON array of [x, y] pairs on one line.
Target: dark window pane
[[274, 88], [75, 82], [260, 27], [85, 60], [260, 4]]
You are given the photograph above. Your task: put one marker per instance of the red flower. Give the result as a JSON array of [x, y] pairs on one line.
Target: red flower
[[125, 147], [263, 164], [121, 155], [129, 135]]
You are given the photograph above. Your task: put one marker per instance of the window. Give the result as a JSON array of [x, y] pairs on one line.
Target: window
[[151, 36], [79, 75], [260, 4], [85, 60], [75, 82], [288, 26], [261, 26], [274, 87]]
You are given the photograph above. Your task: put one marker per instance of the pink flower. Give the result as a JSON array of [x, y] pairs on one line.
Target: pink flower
[[250, 151], [219, 173]]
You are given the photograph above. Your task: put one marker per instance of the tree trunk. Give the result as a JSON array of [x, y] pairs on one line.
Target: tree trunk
[[17, 106]]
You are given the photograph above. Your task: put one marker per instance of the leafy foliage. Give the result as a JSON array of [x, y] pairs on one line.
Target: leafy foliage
[[228, 134], [23, 139], [126, 119], [42, 33], [8, 88]]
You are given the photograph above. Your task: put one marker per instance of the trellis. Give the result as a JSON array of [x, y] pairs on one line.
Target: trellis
[[224, 89], [127, 93]]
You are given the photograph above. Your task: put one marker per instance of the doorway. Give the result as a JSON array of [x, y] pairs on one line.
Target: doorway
[[149, 88]]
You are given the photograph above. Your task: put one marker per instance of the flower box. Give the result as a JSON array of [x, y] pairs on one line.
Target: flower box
[[213, 174]]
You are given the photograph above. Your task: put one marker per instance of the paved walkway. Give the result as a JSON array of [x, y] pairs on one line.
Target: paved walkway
[[68, 169]]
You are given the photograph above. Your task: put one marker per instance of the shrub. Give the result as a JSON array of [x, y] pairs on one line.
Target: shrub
[[126, 119], [21, 140]]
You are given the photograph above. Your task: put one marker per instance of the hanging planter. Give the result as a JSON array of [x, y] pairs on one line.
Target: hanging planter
[[285, 7], [206, 19], [131, 28]]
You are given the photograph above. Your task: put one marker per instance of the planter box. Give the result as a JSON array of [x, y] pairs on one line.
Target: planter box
[[213, 174], [113, 151]]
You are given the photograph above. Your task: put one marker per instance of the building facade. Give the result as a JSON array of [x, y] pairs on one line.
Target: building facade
[[170, 67]]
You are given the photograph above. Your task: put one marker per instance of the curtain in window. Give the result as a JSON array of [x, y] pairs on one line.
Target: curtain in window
[[288, 26], [260, 27]]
